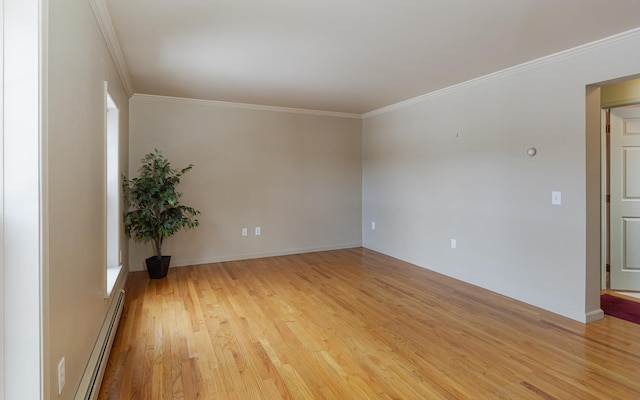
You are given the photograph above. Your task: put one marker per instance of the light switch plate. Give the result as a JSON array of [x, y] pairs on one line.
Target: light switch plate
[[556, 198]]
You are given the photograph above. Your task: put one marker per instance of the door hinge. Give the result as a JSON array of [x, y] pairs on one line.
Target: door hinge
[[608, 198], [608, 129]]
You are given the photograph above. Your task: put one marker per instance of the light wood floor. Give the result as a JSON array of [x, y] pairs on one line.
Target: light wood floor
[[354, 324]]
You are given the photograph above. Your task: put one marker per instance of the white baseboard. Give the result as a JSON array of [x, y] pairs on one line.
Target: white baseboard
[[181, 262], [595, 315]]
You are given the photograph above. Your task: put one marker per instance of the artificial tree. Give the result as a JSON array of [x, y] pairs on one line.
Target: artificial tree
[[153, 208]]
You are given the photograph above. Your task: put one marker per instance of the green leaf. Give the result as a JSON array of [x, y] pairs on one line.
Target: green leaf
[[154, 210]]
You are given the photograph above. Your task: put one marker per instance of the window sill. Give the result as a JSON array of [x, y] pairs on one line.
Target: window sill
[[112, 277]]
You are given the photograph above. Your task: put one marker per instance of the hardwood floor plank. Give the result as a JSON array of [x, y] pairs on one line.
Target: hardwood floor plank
[[354, 324]]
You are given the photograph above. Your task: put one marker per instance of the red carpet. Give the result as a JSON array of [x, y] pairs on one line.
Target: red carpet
[[620, 308]]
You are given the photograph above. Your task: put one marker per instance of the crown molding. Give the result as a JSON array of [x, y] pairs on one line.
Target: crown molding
[[608, 41], [245, 106], [104, 22]]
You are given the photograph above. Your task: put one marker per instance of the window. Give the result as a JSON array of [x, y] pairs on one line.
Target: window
[[114, 257]]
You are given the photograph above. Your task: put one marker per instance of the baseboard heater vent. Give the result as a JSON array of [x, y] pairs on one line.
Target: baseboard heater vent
[[93, 374]]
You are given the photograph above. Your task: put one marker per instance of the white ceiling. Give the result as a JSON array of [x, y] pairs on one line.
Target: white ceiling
[[350, 56]]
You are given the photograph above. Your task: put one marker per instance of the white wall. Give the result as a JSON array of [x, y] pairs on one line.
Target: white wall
[[21, 236], [74, 169], [453, 164], [54, 225], [296, 175]]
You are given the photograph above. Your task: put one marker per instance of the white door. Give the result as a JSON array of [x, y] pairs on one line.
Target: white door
[[625, 199]]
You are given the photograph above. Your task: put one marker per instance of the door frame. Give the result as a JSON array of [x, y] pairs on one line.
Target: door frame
[[604, 215], [604, 179]]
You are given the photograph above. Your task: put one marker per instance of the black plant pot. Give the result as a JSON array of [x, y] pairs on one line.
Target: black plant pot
[[158, 267]]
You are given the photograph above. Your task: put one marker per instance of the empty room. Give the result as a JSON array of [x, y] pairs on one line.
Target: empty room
[[320, 199]]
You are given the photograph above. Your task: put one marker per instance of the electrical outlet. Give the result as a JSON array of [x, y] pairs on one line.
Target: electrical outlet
[[61, 375], [258, 231]]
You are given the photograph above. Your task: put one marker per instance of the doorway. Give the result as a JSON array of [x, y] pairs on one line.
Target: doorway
[[620, 228], [622, 208]]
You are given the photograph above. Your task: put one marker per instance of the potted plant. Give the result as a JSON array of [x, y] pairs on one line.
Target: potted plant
[[154, 210]]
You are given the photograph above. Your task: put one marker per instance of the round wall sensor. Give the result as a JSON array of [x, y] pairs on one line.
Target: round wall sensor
[[531, 151]]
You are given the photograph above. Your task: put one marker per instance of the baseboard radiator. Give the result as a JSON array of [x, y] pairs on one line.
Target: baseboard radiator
[[93, 374]]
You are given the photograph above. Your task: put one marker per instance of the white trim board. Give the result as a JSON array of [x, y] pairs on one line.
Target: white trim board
[[210, 260], [109, 34], [104, 21], [608, 41], [245, 106], [630, 294]]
